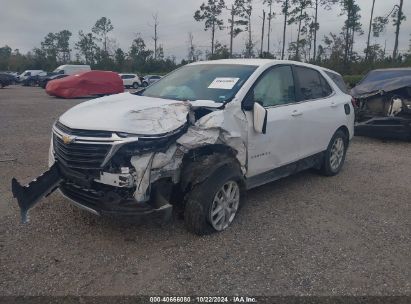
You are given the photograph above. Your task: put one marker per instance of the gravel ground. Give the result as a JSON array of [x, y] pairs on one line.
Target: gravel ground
[[303, 235]]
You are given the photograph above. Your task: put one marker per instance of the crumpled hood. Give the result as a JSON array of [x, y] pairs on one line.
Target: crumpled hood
[[128, 113], [385, 85]]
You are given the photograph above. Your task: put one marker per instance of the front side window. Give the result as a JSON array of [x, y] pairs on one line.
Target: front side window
[[217, 82], [276, 87], [311, 84]]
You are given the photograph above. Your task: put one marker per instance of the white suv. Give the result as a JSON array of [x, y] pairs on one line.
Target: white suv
[[131, 80], [196, 139]]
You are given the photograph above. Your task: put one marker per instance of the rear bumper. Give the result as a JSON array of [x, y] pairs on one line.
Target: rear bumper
[[385, 127]]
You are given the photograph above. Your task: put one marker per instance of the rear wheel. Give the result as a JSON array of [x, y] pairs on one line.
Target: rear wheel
[[335, 155], [213, 204], [145, 84]]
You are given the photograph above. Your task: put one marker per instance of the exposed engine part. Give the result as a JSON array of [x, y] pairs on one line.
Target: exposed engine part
[[117, 180]]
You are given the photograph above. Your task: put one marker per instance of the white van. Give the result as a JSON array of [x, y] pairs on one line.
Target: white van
[[28, 73], [71, 69]]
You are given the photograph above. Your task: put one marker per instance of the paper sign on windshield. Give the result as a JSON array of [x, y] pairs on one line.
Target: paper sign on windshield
[[225, 83]]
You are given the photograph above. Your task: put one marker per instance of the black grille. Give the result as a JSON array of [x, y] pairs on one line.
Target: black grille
[[84, 133], [80, 155], [89, 198]]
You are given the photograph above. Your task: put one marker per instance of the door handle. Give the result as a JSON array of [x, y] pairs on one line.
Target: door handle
[[296, 113], [334, 104]]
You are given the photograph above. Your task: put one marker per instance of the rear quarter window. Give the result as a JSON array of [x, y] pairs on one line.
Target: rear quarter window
[[338, 80]]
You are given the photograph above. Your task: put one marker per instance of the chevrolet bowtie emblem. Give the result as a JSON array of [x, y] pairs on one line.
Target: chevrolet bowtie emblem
[[67, 139]]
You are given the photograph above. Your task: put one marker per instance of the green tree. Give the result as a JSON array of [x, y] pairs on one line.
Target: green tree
[[5, 54], [120, 58], [352, 25], [367, 50], [300, 16], [221, 51], [63, 46], [270, 16], [101, 28], [285, 6], [246, 10], [87, 47], [236, 24], [210, 14], [327, 5], [138, 54]]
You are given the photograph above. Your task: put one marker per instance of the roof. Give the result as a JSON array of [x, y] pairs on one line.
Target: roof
[[260, 63]]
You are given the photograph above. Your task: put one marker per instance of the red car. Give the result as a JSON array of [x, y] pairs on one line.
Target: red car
[[86, 84]]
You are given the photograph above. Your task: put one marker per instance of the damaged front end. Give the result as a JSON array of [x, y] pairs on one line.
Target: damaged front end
[[107, 173], [118, 173], [383, 108]]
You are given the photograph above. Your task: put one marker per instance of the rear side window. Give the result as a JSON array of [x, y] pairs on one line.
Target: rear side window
[[338, 80], [311, 84]]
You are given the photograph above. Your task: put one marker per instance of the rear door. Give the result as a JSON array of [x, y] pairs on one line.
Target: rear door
[[320, 107], [275, 90]]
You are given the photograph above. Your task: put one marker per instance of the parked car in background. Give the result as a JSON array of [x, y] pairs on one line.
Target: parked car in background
[[43, 80], [150, 79], [14, 75], [92, 83], [30, 73], [71, 69], [196, 140], [130, 80], [6, 79], [383, 99]]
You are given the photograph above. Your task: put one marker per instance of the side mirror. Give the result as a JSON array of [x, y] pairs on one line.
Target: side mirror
[[248, 102], [260, 118]]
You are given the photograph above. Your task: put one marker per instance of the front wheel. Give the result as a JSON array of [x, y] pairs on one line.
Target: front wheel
[[335, 154], [135, 85], [213, 204], [145, 84]]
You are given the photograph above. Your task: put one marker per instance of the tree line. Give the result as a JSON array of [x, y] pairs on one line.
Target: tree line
[[95, 47], [335, 50]]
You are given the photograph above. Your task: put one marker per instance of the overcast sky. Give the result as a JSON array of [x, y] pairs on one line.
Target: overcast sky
[[24, 23]]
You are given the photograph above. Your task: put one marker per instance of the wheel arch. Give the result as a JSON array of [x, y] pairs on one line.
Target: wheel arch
[[202, 162], [346, 131]]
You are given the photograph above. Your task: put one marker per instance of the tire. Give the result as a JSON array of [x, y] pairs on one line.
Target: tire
[[201, 201], [135, 85], [145, 84], [335, 154]]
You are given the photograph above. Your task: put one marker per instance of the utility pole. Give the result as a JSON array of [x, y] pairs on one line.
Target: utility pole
[[285, 10], [155, 38], [369, 32], [270, 16], [397, 29], [232, 30], [262, 35]]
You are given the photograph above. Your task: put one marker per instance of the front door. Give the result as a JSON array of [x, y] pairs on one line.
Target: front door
[[281, 144]]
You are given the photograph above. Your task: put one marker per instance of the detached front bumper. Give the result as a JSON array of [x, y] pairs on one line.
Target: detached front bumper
[[385, 127], [98, 202]]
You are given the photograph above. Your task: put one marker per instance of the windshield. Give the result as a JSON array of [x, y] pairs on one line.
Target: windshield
[[383, 75], [217, 82]]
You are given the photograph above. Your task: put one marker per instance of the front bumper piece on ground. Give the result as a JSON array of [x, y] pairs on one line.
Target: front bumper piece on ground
[[28, 196]]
